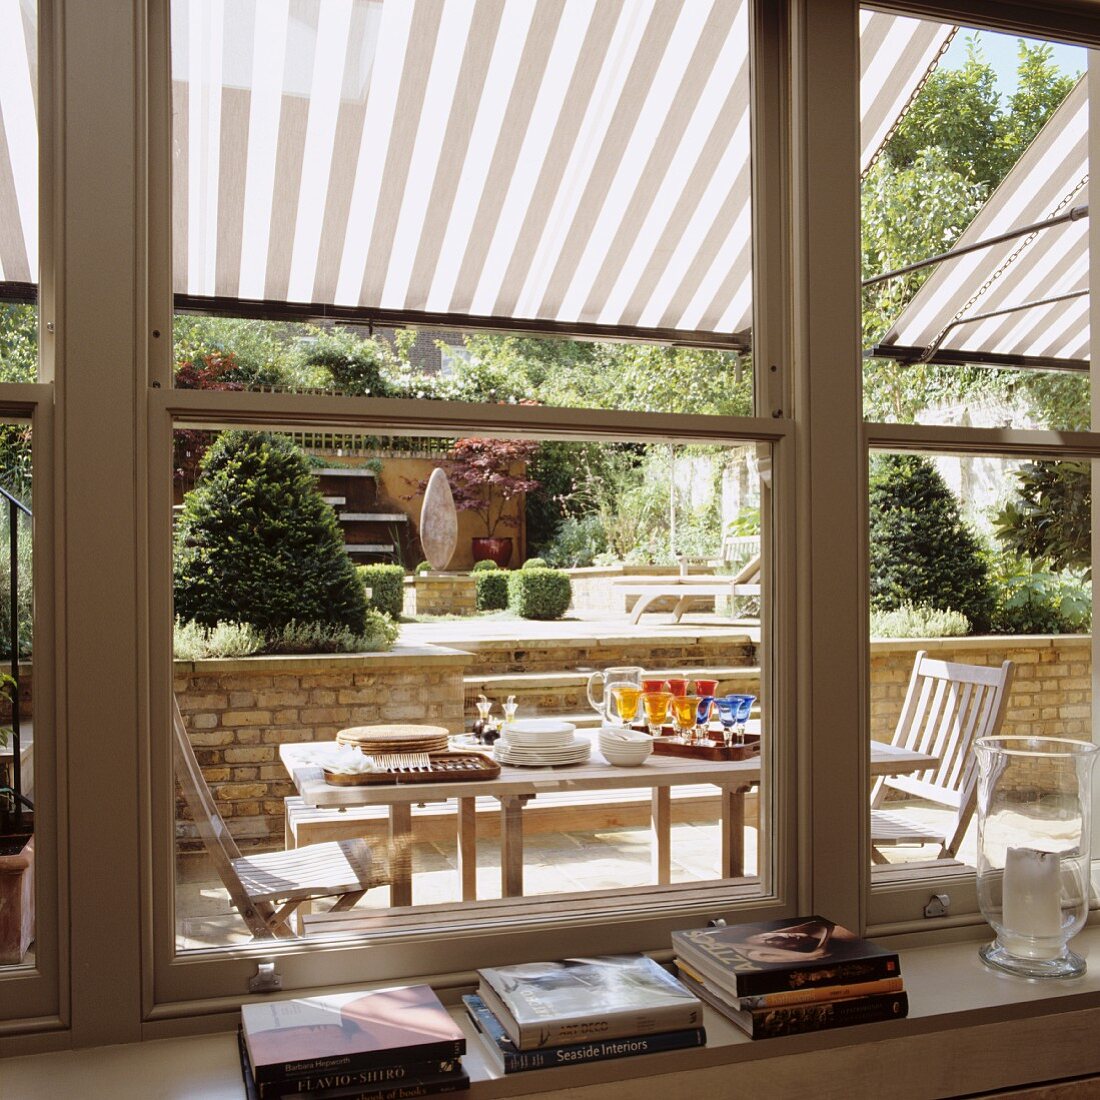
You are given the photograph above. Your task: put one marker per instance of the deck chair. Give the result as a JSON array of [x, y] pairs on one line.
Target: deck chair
[[948, 706], [268, 887]]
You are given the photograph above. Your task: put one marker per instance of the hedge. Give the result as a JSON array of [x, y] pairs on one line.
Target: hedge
[[387, 587], [539, 593], [491, 587]]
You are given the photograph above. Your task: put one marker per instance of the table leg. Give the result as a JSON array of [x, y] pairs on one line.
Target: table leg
[[401, 853], [467, 847], [660, 832], [733, 831], [511, 845]]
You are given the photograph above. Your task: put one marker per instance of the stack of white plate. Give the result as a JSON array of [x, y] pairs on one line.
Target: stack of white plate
[[540, 742]]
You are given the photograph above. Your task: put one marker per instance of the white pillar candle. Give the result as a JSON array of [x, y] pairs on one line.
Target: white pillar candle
[[1032, 896]]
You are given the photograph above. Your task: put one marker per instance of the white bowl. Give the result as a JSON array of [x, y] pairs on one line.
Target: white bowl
[[625, 754]]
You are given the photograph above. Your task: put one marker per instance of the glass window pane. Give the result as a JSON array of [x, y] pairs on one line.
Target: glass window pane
[[992, 153], [974, 561], [579, 572]]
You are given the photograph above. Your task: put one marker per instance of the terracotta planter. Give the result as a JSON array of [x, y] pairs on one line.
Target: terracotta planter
[[16, 898], [498, 550]]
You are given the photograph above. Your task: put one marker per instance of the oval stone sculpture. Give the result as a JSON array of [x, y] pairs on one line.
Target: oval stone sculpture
[[438, 521]]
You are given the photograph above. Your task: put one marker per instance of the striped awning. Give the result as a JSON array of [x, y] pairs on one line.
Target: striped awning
[[1022, 302], [18, 142], [566, 162]]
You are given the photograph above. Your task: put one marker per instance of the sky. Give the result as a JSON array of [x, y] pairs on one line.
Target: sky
[[1000, 51]]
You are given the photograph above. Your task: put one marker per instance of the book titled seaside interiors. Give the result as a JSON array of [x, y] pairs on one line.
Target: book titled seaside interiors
[[314, 1036], [767, 1023], [747, 960], [508, 1058], [607, 997]]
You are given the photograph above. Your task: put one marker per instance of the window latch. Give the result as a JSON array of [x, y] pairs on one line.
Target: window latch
[[266, 979], [938, 905]]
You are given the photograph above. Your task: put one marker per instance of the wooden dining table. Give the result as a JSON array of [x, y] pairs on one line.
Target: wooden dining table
[[516, 786]]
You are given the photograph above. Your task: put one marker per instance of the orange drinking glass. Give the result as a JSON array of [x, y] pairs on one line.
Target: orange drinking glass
[[656, 710], [684, 713], [625, 698], [677, 686]]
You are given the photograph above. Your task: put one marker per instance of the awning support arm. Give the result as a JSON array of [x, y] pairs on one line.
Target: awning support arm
[[1072, 215]]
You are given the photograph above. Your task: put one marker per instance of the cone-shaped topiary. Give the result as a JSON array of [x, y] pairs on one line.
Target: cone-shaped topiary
[[256, 542], [921, 550]]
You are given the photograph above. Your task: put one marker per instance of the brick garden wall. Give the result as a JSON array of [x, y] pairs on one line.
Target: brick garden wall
[[239, 712]]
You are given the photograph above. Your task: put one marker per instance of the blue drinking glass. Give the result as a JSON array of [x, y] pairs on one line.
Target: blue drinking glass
[[743, 712], [727, 714]]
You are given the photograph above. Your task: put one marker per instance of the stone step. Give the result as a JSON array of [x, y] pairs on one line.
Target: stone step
[[343, 471], [373, 517], [369, 547]]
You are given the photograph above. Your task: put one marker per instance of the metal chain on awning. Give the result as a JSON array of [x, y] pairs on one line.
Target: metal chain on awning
[[934, 345], [909, 103]]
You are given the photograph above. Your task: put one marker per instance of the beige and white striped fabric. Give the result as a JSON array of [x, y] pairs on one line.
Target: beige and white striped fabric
[[18, 141], [1051, 177], [577, 161]]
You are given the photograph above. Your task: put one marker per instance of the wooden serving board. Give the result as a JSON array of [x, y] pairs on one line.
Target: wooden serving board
[[669, 746], [446, 767]]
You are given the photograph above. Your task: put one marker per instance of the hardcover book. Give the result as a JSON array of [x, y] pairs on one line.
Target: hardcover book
[[607, 997], [767, 1023], [348, 1032], [793, 996], [800, 953], [508, 1058]]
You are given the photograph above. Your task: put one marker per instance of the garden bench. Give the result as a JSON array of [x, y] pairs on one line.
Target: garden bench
[[686, 589]]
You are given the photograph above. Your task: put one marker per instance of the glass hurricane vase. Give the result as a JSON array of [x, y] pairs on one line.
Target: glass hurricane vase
[[1034, 808]]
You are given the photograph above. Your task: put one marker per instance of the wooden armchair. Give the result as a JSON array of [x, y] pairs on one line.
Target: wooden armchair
[[267, 888], [947, 708]]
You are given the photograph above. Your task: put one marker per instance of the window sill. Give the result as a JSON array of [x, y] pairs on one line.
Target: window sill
[[970, 1030]]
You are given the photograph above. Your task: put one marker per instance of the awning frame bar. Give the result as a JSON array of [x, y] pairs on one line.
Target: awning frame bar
[[1072, 215]]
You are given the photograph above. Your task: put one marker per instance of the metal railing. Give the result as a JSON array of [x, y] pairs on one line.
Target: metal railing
[[19, 800]]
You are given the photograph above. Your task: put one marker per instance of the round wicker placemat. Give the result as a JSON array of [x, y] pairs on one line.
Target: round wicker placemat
[[382, 739]]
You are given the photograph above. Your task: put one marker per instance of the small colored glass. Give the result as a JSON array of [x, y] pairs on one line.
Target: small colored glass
[[655, 704], [684, 714], [727, 715], [677, 686], [653, 685], [624, 700], [743, 712], [706, 687]]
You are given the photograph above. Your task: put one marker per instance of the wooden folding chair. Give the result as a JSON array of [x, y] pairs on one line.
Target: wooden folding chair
[[947, 708], [267, 888]]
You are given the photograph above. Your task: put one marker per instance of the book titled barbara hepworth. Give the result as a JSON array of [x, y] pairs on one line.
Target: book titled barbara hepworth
[[348, 1031], [605, 997], [796, 953]]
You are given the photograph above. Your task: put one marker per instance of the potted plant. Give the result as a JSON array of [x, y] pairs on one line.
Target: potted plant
[[484, 478]]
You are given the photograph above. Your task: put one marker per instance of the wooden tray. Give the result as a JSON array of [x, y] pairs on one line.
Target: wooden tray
[[446, 767], [669, 746]]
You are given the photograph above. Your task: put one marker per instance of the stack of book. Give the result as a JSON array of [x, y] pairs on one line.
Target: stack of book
[[536, 1015], [385, 1044], [791, 976]]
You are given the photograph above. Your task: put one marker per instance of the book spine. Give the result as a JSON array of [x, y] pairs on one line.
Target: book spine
[[798, 1019], [821, 993], [402, 1090], [288, 1073], [603, 1050], [755, 983], [313, 1085]]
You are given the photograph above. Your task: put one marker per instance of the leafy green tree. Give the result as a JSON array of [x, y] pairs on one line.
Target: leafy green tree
[[921, 550], [256, 543], [1048, 520], [356, 366]]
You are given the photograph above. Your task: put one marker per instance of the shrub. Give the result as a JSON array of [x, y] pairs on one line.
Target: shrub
[[256, 542], [909, 621], [535, 563], [578, 541], [194, 642], [491, 588], [1031, 601], [486, 566], [539, 593], [378, 634], [921, 550], [387, 587], [423, 567]]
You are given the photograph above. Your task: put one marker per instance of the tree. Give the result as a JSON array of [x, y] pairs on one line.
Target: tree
[[257, 543], [1049, 519], [921, 550], [483, 478]]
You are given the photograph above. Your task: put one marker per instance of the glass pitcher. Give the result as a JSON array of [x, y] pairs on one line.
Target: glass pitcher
[[603, 705], [1034, 809]]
